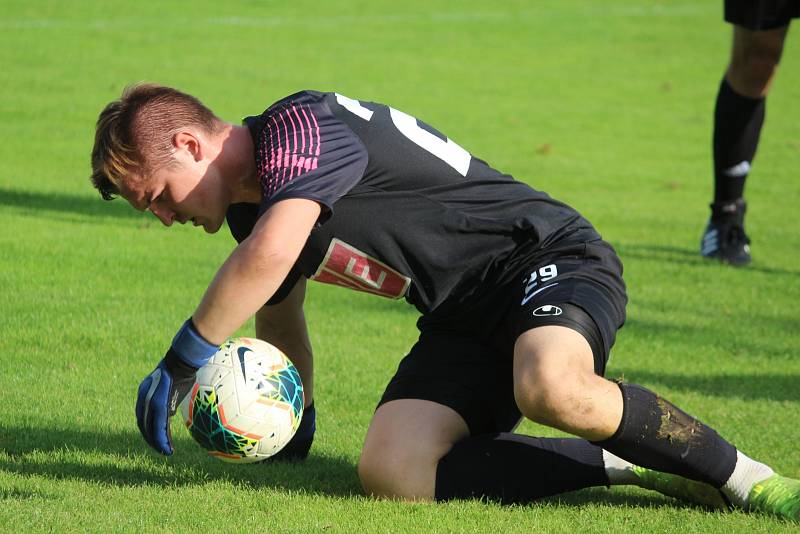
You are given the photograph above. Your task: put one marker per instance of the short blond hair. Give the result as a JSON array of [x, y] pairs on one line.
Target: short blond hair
[[134, 134]]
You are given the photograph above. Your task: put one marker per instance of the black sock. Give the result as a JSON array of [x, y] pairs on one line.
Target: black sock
[[737, 126], [512, 468], [657, 435]]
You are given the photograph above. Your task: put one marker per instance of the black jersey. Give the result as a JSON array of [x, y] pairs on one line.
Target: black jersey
[[406, 211]]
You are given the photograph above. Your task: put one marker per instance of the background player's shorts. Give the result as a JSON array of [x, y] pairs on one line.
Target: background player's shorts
[[461, 365], [761, 14]]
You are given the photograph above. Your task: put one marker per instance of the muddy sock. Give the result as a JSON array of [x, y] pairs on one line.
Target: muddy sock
[[655, 434]]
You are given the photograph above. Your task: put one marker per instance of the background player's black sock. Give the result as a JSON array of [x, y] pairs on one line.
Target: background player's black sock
[[737, 126], [513, 468], [655, 434]]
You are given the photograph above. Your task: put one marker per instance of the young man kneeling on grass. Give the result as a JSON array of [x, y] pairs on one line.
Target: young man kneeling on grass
[[520, 299]]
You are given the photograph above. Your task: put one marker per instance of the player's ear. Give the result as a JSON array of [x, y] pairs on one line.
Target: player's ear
[[184, 140]]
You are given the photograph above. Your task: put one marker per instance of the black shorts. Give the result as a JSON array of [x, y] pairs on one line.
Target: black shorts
[[468, 367], [761, 14]]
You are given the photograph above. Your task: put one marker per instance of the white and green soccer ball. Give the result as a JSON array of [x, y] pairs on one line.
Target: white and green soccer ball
[[246, 402]]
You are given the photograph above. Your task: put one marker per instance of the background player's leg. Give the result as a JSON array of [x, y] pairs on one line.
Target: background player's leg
[[738, 118], [754, 60], [555, 384]]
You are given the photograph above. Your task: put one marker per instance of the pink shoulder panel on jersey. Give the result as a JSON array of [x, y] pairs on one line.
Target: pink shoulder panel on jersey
[[290, 148]]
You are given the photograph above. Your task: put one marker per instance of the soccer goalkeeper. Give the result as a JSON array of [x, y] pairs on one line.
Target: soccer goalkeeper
[[520, 299]]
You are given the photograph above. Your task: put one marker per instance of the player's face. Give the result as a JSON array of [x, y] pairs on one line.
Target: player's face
[[188, 189], [181, 193]]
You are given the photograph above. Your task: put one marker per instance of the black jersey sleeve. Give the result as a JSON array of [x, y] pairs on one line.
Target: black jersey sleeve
[[241, 219], [304, 151]]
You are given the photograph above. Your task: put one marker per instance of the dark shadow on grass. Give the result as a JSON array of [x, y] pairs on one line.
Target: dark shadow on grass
[[616, 497], [128, 463], [694, 339], [685, 256], [124, 460], [773, 386], [36, 203]]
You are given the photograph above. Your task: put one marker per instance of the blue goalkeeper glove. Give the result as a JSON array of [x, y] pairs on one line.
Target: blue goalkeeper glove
[[161, 391], [299, 445]]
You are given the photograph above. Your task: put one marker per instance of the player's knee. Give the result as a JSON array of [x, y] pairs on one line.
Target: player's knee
[[548, 394], [404, 444], [553, 368], [371, 472], [752, 70], [755, 71], [393, 471], [540, 398]]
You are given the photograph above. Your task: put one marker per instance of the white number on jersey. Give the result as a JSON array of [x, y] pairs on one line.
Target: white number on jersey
[[444, 149]]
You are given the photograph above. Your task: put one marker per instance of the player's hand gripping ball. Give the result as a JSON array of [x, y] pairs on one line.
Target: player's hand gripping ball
[[246, 402]]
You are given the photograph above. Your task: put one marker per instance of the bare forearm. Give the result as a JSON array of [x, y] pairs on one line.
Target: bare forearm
[[242, 285], [255, 270]]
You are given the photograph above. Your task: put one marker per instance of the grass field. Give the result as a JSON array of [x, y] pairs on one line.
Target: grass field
[[606, 106]]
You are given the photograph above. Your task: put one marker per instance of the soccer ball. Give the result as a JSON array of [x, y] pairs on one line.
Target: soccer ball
[[246, 402]]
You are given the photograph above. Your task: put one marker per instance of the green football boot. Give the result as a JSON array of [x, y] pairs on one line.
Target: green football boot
[[777, 495], [681, 488]]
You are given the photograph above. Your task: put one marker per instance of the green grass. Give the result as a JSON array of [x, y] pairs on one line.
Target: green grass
[[605, 106]]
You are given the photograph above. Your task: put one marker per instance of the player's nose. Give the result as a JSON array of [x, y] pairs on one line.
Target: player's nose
[[165, 216]]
